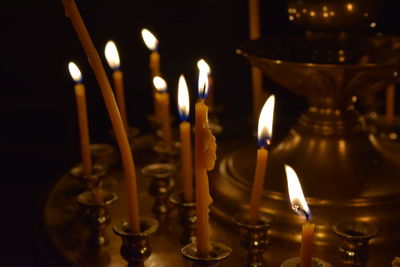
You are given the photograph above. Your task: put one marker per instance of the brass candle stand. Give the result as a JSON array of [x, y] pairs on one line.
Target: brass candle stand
[[354, 236], [95, 204], [253, 237], [161, 184], [218, 253], [135, 248], [343, 170], [186, 217], [88, 183]]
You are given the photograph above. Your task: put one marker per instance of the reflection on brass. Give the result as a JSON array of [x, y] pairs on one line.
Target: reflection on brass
[[218, 253], [88, 183], [135, 248], [161, 184], [95, 204], [333, 14], [355, 236], [254, 238], [186, 217], [295, 262]]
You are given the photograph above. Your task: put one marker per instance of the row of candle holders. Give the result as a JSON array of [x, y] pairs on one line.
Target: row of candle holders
[[136, 248], [254, 239]]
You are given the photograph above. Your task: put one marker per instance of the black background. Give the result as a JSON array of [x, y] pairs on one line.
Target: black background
[[38, 134]]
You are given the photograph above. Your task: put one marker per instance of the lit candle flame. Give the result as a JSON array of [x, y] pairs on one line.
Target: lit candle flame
[[296, 196], [203, 80], [265, 123], [75, 72], [160, 84], [112, 55], [149, 39], [183, 99], [202, 64]]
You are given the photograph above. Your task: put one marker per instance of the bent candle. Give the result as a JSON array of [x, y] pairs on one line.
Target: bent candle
[[71, 10]]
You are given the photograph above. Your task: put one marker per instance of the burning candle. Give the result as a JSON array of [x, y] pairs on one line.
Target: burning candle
[[265, 123], [152, 44], [162, 108], [299, 205], [112, 57], [71, 10], [210, 98], [205, 157], [82, 119], [186, 146]]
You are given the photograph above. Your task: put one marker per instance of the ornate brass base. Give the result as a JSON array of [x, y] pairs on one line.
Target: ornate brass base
[[360, 185]]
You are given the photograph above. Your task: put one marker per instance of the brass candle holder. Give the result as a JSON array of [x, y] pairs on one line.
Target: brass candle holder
[[161, 184], [254, 237], [186, 217], [218, 253], [135, 248], [295, 262], [355, 236], [88, 183], [95, 205]]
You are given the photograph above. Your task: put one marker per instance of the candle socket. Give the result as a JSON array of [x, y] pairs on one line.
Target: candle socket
[[105, 155], [168, 154], [218, 253], [295, 262], [186, 217], [93, 181], [161, 184], [95, 205], [254, 237], [135, 248], [355, 236]]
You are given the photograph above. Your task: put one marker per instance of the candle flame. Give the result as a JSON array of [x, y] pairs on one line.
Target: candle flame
[[183, 99], [202, 64], [203, 80], [149, 39], [296, 196], [265, 123], [112, 55], [75, 72], [160, 84]]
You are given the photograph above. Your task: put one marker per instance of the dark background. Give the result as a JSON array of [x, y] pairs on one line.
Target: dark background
[[39, 136]]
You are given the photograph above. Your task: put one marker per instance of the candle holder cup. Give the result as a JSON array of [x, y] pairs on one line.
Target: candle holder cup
[[254, 237], [93, 181], [218, 253], [135, 248], [315, 262], [186, 217], [105, 155], [161, 184], [355, 236], [168, 154], [95, 205]]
